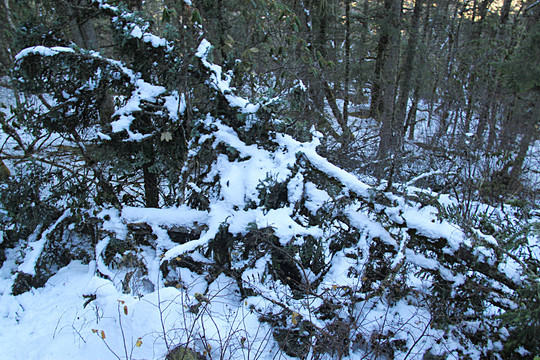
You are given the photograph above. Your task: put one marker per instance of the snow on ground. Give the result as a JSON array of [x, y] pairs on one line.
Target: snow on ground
[[7, 100], [78, 315], [55, 322]]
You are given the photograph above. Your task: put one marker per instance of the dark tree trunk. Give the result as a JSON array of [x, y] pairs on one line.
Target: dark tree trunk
[[7, 28], [347, 135], [151, 183], [81, 26], [389, 133], [482, 121], [410, 123], [376, 105], [407, 70], [505, 11]]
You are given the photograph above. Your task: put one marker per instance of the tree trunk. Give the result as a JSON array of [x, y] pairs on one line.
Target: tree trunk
[[222, 29], [389, 133], [407, 70], [319, 36], [151, 181], [482, 121], [376, 105], [505, 11], [527, 139], [410, 123], [6, 34], [81, 27], [345, 125], [493, 130]]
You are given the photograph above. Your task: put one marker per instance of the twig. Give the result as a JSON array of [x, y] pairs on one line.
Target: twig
[[78, 333], [108, 347], [10, 130], [161, 317], [417, 340], [122, 330]]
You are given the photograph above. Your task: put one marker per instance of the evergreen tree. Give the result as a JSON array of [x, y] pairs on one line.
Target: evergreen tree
[[123, 119]]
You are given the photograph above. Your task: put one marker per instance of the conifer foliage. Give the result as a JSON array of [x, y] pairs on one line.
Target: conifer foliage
[[146, 160]]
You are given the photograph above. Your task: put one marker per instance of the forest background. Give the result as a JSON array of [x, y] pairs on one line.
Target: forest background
[[421, 112]]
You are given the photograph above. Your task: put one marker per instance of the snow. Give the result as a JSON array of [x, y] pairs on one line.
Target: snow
[[58, 325], [156, 41], [424, 222], [522, 351], [361, 221], [136, 32], [221, 81], [309, 150], [180, 216], [285, 227], [421, 260], [42, 51], [83, 312], [315, 198], [489, 238], [512, 269], [55, 318], [175, 104], [29, 264], [211, 314], [143, 92], [203, 49]]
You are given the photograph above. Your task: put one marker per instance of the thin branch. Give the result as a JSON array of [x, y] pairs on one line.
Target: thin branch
[[417, 340], [11, 131], [39, 159]]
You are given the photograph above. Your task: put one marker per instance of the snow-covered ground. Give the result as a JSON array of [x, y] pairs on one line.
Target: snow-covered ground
[[80, 315], [60, 320], [118, 311]]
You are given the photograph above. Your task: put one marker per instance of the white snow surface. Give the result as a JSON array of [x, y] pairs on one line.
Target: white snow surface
[[55, 320], [222, 82], [28, 266], [58, 325], [79, 315], [43, 51], [53, 323]]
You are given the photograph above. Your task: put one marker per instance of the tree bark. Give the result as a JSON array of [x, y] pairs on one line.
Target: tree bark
[[376, 105], [410, 123], [389, 132], [7, 27], [81, 27], [505, 11], [345, 126], [151, 180], [527, 139], [407, 70]]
